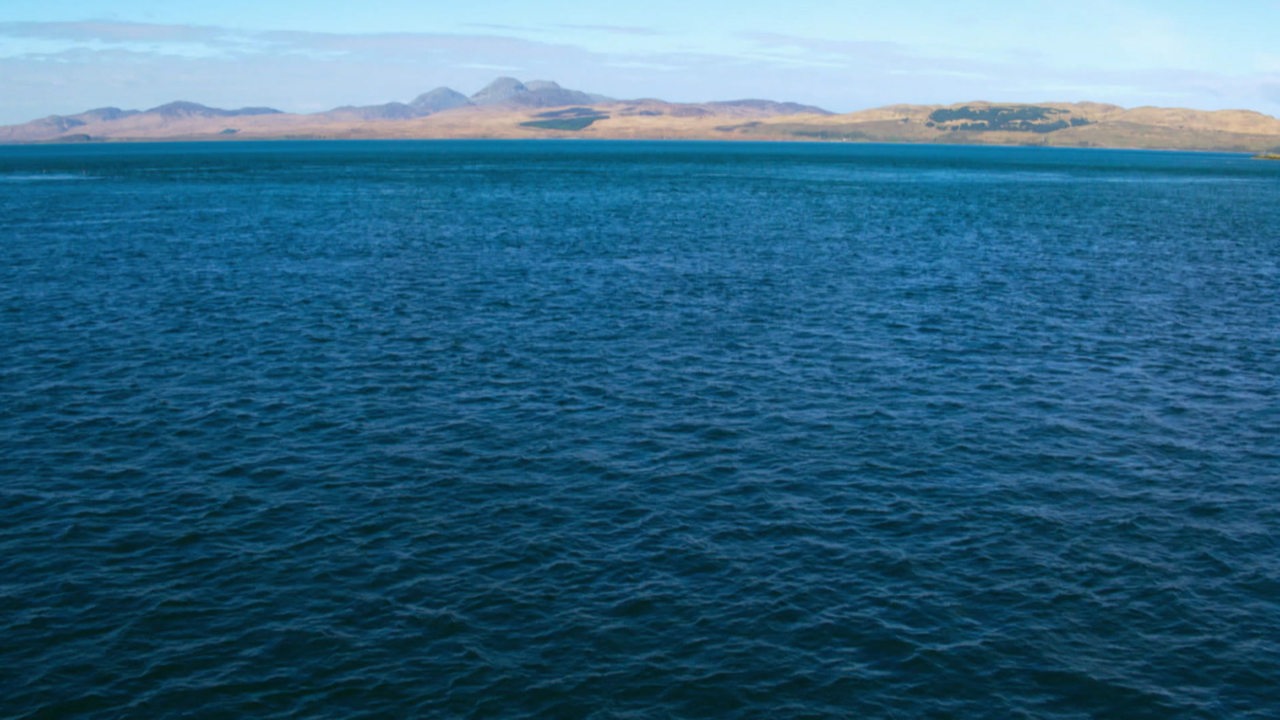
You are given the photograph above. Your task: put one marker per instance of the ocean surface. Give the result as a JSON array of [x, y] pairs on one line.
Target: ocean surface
[[638, 430]]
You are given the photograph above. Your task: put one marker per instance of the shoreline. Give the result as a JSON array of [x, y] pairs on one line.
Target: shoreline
[[319, 139]]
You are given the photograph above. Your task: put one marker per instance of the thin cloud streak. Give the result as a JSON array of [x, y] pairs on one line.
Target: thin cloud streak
[[114, 32], [615, 29]]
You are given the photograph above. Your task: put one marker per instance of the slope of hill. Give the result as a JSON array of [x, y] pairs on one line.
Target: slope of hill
[[1054, 124], [509, 108]]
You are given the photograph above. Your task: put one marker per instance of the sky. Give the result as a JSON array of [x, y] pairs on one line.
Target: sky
[[67, 56]]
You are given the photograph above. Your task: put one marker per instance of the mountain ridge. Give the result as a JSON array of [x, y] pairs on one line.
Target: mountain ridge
[[510, 108]]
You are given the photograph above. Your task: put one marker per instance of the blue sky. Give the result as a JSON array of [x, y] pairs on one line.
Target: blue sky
[[65, 56]]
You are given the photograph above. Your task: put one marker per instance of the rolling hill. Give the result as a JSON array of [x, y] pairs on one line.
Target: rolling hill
[[509, 108]]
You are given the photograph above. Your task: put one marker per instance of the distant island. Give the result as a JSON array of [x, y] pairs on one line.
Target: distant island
[[1268, 156], [509, 108]]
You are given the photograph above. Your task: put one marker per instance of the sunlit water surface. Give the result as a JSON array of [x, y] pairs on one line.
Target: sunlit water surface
[[638, 430]]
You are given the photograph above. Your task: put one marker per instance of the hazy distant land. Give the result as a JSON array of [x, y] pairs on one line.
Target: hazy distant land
[[508, 108]]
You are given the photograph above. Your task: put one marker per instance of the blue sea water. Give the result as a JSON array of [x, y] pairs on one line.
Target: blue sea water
[[638, 430]]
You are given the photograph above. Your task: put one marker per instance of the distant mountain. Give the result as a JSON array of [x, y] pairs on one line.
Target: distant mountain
[[537, 93], [387, 111], [106, 114], [184, 109], [503, 92], [55, 125], [510, 108], [771, 107], [439, 100]]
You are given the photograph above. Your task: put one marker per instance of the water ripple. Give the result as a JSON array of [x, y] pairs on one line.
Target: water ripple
[[617, 430]]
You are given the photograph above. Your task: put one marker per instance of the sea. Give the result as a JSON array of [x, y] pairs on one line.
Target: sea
[[588, 429]]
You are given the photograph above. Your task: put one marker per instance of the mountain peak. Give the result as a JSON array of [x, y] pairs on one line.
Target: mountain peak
[[182, 109], [501, 90], [442, 98], [535, 93], [508, 107]]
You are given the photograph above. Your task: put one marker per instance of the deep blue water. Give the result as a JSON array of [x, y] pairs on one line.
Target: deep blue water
[[638, 430]]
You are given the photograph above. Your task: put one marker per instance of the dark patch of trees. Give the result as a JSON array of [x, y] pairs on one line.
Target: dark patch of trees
[[571, 124], [740, 127], [1023, 118], [573, 112]]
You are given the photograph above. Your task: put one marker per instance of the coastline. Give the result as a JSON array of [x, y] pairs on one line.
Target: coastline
[[1065, 125], [204, 139]]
